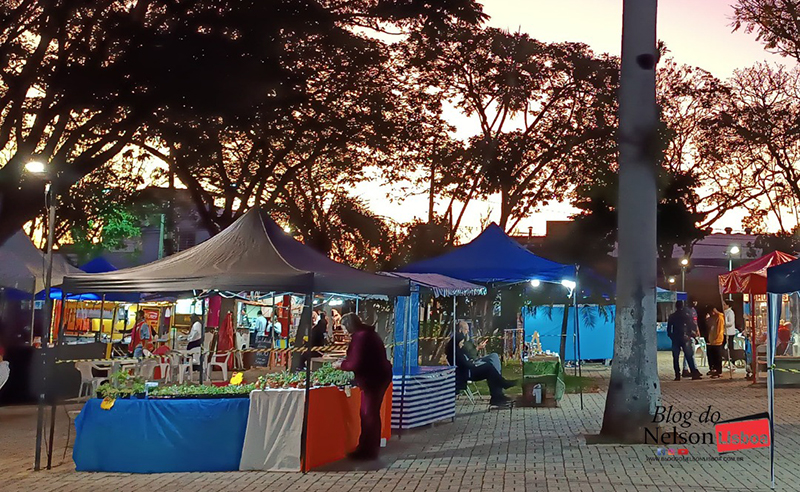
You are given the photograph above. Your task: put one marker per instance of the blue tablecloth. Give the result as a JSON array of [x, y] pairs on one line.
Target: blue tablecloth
[[160, 436]]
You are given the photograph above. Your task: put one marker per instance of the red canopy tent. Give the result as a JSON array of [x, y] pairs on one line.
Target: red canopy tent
[[752, 279]]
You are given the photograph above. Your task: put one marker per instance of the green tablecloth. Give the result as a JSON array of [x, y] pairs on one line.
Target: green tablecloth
[[540, 369]]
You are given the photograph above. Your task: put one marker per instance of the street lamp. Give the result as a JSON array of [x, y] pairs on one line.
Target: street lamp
[[535, 283], [41, 168], [733, 250], [671, 281], [684, 264]]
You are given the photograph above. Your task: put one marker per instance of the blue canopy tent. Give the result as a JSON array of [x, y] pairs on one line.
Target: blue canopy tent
[[493, 257], [781, 279]]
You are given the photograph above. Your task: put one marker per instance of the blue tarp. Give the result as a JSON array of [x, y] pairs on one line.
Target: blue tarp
[[493, 257], [161, 436], [596, 330]]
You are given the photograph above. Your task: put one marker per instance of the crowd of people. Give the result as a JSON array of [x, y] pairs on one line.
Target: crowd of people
[[683, 330]]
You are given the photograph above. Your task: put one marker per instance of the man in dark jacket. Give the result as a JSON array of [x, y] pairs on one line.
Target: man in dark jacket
[[467, 370], [366, 358], [680, 329]]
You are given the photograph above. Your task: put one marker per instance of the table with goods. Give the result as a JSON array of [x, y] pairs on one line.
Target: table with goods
[[135, 428], [547, 371]]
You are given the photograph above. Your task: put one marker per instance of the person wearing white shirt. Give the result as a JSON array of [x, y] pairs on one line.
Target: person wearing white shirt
[[276, 326], [261, 325], [730, 326], [195, 334]]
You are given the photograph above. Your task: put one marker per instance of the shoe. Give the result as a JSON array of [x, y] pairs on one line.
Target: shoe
[[500, 402], [696, 376], [359, 455], [715, 376], [677, 378], [709, 373], [509, 383], [686, 373]]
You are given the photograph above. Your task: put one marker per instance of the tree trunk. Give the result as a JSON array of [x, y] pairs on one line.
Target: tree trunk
[[634, 390]]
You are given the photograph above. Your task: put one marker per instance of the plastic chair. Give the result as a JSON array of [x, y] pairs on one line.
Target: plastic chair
[[700, 356], [89, 381], [184, 363], [220, 361], [147, 369], [165, 368]]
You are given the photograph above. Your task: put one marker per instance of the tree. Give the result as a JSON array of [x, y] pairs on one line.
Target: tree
[[677, 223], [773, 21], [757, 137], [540, 107], [634, 391], [81, 80], [688, 99]]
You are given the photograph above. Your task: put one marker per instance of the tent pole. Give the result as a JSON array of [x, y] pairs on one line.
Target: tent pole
[[455, 328], [102, 307], [202, 337], [307, 390], [33, 308], [578, 335], [53, 397], [114, 314], [773, 318]]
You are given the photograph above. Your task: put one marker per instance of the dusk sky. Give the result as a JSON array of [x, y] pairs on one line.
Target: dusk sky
[[696, 32]]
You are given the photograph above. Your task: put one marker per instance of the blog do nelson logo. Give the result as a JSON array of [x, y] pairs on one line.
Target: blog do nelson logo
[[729, 435]]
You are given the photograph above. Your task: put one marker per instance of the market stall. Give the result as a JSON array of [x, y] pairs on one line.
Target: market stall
[[423, 395], [751, 280], [495, 259], [253, 254]]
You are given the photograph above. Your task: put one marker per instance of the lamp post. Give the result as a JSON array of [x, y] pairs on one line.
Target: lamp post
[[684, 264], [733, 250], [40, 168]]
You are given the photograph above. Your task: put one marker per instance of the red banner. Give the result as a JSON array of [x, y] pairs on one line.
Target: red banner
[[743, 434]]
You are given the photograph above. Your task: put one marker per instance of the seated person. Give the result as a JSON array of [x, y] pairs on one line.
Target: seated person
[[466, 370], [472, 350]]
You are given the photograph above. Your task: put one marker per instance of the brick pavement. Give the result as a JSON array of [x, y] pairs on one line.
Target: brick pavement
[[520, 450]]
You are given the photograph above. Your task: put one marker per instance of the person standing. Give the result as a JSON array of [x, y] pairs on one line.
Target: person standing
[[275, 328], [261, 325], [140, 336], [716, 338], [680, 328], [366, 358], [730, 329]]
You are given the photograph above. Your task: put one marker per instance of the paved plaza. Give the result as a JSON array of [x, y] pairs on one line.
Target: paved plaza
[[525, 449]]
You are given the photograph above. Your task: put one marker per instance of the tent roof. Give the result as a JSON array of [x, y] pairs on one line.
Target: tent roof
[[253, 253], [664, 295], [493, 257], [752, 277], [784, 278], [98, 265], [22, 264], [441, 285]]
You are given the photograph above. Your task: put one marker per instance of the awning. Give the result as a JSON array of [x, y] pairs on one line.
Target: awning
[[752, 277], [442, 286]]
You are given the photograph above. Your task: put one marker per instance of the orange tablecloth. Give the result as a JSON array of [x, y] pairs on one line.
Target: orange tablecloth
[[334, 424]]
